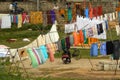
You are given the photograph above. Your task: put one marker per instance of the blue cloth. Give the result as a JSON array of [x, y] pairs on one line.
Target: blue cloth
[[17, 19], [44, 51], [53, 16], [87, 13], [103, 49], [14, 4], [94, 49], [119, 16], [106, 23], [2, 55]]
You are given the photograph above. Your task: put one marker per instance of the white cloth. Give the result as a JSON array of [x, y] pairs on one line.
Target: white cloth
[[54, 36], [14, 56], [6, 21], [4, 52], [113, 14], [106, 16], [47, 39], [81, 22], [116, 14], [69, 27], [117, 30], [55, 7], [101, 17], [40, 40], [11, 7]]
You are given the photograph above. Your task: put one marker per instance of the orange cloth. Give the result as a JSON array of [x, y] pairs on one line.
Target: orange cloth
[[62, 11], [92, 40], [81, 36], [91, 13], [76, 38]]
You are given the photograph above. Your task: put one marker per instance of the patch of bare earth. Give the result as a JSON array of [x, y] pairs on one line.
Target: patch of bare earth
[[81, 69]]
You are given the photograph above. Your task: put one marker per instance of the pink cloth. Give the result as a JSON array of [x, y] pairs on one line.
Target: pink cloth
[[23, 17], [51, 52]]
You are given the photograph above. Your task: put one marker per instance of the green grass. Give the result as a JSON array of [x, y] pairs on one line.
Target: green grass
[[20, 34]]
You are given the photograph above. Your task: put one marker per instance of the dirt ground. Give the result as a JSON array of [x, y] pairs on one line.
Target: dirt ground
[[82, 68]]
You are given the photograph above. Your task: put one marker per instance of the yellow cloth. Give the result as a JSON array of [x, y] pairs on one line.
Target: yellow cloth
[[19, 21], [36, 17]]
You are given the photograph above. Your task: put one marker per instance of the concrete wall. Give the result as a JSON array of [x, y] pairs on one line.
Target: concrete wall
[[108, 5], [28, 6]]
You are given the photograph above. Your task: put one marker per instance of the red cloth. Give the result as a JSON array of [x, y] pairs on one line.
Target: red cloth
[[95, 12], [23, 17], [99, 8]]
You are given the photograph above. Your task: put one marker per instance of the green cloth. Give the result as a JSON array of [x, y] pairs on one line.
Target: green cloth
[[85, 36], [63, 44], [86, 41], [33, 58], [69, 14]]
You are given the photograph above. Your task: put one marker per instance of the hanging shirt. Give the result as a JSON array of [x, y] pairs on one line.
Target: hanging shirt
[[69, 28], [103, 48], [53, 16], [99, 10], [54, 36], [84, 35], [99, 29], [49, 21], [116, 49], [44, 51], [89, 32], [109, 47], [81, 36], [113, 14], [95, 12], [36, 55], [91, 13], [106, 23], [5, 21], [33, 58], [71, 40], [67, 39], [118, 30], [87, 13], [42, 56], [19, 21], [51, 52], [63, 44], [116, 14], [76, 38], [94, 50], [69, 14]]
